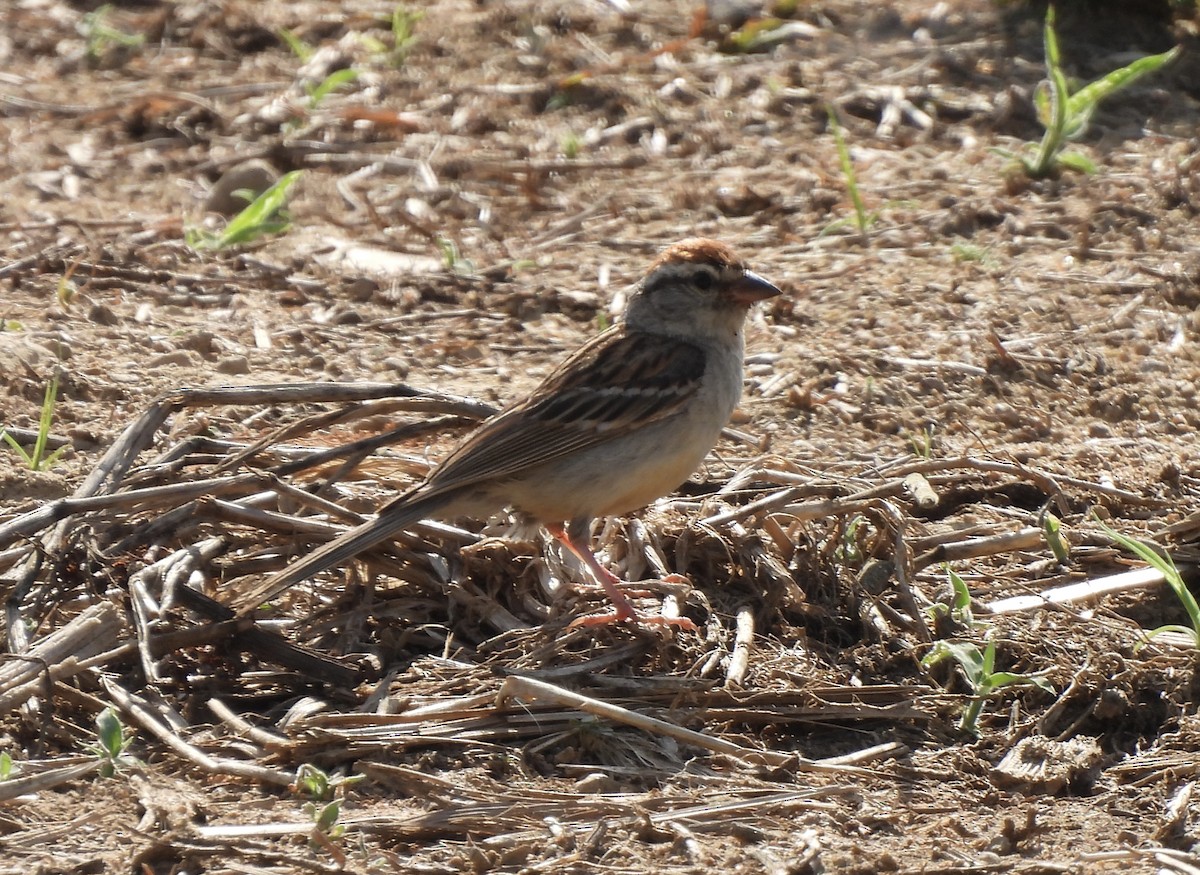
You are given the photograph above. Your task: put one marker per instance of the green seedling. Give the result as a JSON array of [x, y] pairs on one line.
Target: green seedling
[[757, 35], [1055, 540], [37, 459], [922, 444], [101, 37], [959, 608], [764, 34], [970, 252], [979, 671], [322, 808], [1066, 114], [849, 550], [6, 766], [452, 259], [111, 744], [571, 145], [331, 83], [325, 818], [862, 219], [262, 216], [403, 25], [301, 49], [404, 32], [1166, 566], [318, 785]]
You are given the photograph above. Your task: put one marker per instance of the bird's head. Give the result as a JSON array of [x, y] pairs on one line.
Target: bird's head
[[696, 287]]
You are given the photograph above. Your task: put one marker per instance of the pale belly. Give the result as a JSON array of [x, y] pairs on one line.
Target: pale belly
[[623, 475]]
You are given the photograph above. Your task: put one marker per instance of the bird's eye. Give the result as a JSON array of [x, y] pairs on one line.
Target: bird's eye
[[704, 280]]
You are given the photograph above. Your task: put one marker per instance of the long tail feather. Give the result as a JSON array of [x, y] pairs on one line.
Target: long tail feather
[[393, 519]]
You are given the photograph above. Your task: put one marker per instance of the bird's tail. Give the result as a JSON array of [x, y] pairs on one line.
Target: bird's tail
[[392, 519]]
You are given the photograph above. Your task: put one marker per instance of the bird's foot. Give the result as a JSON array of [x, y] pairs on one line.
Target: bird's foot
[[638, 619], [675, 586]]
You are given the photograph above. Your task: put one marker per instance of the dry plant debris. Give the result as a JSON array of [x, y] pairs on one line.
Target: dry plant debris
[[959, 383]]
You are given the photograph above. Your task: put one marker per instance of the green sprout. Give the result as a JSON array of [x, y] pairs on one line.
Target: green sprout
[[332, 82], [325, 818], [1066, 114], [403, 24], [111, 744], [571, 145], [979, 670], [1055, 540], [404, 32], [849, 550], [102, 37], [452, 259], [6, 766], [862, 219], [959, 609], [322, 808], [262, 216], [301, 49], [37, 459], [1166, 566], [922, 444], [318, 785], [970, 252]]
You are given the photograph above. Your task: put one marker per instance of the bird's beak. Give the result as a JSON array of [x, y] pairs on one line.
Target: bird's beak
[[750, 288]]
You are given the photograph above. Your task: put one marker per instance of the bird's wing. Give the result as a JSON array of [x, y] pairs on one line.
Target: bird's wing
[[619, 382]]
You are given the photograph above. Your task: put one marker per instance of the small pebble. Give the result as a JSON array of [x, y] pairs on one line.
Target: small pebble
[[236, 364]]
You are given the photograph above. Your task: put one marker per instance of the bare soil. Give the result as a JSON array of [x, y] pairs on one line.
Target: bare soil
[[470, 209]]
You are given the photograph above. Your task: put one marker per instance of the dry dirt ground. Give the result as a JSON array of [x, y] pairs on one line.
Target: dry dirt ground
[[473, 199]]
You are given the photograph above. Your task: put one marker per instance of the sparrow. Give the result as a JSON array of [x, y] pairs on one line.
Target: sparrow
[[621, 422]]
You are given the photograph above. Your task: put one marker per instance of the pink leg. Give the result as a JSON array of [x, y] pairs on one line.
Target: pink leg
[[611, 583]]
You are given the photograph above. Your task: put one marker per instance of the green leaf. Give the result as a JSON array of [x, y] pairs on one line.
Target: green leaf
[[966, 654], [1176, 628], [331, 83], [1165, 566], [1084, 101], [12, 442], [260, 217], [1077, 162], [329, 815], [110, 734], [989, 659], [299, 47], [862, 220], [1002, 679], [962, 595], [1052, 530]]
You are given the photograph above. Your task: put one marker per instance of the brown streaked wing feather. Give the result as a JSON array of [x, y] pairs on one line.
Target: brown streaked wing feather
[[620, 381]]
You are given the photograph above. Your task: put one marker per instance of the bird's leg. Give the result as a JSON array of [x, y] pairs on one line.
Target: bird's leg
[[574, 538]]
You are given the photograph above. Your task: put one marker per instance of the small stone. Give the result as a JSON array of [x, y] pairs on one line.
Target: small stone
[[235, 364], [361, 290], [199, 341], [400, 367], [596, 782], [102, 315], [180, 358], [249, 177]]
